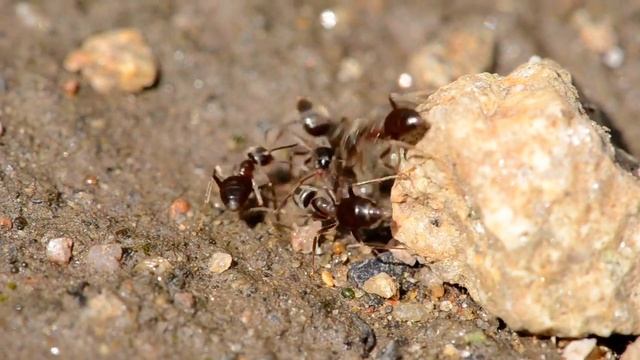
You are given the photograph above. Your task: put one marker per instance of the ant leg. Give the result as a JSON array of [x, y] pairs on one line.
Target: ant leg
[[290, 194], [377, 180], [323, 230], [214, 178], [256, 190]]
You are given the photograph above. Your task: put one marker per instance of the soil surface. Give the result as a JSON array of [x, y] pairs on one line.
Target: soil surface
[[105, 169]]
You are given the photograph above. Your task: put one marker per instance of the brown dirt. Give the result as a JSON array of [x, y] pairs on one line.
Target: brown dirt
[[227, 67]]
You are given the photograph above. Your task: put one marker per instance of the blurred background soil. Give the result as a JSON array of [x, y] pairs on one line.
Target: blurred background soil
[[105, 169]]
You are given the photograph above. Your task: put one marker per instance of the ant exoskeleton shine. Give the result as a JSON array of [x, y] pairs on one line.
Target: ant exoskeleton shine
[[236, 189], [314, 123]]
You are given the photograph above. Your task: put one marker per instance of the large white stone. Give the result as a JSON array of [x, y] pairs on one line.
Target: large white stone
[[534, 216]]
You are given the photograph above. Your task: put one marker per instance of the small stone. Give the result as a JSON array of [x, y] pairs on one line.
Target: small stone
[[179, 209], [450, 352], [338, 248], [157, 265], [382, 285], [91, 180], [105, 257], [348, 293], [184, 300], [107, 311], [302, 236], [32, 16], [220, 262], [327, 278], [411, 312], [5, 223], [71, 87], [579, 349], [359, 272], [20, 223], [446, 306], [59, 250], [117, 59]]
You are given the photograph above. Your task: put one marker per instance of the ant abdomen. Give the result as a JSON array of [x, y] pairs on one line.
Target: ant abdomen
[[356, 212], [235, 191]]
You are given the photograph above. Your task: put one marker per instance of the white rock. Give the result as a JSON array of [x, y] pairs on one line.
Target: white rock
[[381, 284], [105, 257], [534, 216], [220, 262], [579, 349], [59, 250]]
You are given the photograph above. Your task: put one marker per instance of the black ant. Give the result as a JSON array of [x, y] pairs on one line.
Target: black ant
[[404, 124], [314, 123], [352, 213], [236, 189]]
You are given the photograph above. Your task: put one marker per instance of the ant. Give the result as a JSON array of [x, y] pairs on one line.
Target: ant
[[403, 124], [314, 123], [236, 189], [352, 213]]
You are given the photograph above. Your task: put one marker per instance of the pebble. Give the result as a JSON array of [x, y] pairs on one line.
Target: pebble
[[363, 270], [20, 223], [450, 352], [184, 300], [5, 223], [382, 285], [59, 250], [179, 209], [432, 282], [411, 312], [220, 262], [157, 265], [327, 278], [117, 59], [446, 306], [302, 236], [104, 257], [579, 349], [71, 87], [348, 293], [106, 311], [31, 16]]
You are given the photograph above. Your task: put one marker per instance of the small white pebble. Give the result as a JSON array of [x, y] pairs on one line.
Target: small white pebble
[[446, 306], [328, 19], [55, 351], [59, 250], [614, 57], [405, 80], [219, 262], [105, 257], [382, 284]]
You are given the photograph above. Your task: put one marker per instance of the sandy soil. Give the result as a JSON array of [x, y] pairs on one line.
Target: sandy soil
[[228, 69]]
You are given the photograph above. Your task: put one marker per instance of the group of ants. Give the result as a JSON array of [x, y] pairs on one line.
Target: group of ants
[[326, 189]]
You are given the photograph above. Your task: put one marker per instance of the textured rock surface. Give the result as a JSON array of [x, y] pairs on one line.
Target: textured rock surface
[[514, 193], [117, 59]]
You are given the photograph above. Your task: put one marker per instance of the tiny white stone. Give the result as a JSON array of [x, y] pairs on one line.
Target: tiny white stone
[[59, 250], [614, 57], [220, 262], [55, 351], [405, 80], [328, 19]]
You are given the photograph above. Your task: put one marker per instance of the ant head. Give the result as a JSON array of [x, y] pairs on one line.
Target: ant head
[[324, 156], [260, 156], [304, 105]]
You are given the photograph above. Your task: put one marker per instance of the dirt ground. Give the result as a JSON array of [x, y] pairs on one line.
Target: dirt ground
[[228, 70]]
